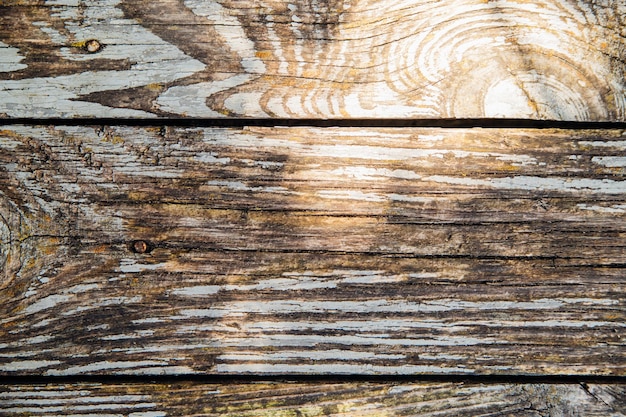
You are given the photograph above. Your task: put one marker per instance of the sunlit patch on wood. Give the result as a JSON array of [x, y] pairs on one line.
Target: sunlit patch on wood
[[312, 250]]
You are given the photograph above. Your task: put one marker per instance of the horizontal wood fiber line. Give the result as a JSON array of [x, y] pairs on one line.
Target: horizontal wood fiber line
[[319, 399], [131, 250], [100, 321], [554, 59]]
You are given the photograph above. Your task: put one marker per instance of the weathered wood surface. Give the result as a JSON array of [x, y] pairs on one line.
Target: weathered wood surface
[[549, 59], [311, 400], [130, 250]]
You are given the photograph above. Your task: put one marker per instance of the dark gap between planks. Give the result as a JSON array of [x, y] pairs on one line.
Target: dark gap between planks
[[373, 123], [311, 378]]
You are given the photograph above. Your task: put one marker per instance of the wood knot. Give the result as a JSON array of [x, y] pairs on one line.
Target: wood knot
[[140, 246]]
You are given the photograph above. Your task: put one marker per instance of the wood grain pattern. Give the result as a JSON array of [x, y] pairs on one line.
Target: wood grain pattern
[[311, 251], [549, 59], [322, 399]]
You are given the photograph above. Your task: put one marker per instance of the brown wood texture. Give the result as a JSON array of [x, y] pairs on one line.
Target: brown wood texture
[[549, 59], [138, 250], [312, 400]]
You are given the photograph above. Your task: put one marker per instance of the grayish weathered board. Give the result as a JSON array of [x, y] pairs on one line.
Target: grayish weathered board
[[131, 250], [313, 399], [549, 59]]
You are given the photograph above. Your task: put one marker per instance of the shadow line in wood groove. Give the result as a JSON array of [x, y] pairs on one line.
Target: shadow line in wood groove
[[297, 122], [311, 378]]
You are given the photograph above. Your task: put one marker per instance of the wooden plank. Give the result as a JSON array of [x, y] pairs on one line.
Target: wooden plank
[[130, 250], [308, 399], [554, 59]]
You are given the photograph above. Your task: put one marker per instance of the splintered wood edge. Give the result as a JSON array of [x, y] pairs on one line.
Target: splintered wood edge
[[552, 60]]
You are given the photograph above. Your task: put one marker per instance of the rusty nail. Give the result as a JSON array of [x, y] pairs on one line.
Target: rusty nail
[[92, 46], [140, 246]]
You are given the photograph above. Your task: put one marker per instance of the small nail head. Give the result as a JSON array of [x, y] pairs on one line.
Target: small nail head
[[140, 246], [92, 46]]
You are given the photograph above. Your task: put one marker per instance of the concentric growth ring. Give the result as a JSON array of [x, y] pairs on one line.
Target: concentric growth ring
[[508, 59]]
